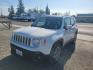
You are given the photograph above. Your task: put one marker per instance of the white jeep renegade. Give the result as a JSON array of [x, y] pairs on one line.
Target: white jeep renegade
[[47, 36]]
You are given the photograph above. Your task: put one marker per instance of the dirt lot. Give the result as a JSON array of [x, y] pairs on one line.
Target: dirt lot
[[79, 57]]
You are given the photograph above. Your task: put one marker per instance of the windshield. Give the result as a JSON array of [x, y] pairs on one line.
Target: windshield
[[48, 22]]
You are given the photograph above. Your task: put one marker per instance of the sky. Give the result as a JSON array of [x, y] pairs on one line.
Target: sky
[[61, 6]]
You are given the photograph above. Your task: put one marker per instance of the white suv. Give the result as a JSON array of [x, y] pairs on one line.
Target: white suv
[[47, 36]]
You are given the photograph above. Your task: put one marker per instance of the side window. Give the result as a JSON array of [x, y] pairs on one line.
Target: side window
[[72, 21], [67, 21]]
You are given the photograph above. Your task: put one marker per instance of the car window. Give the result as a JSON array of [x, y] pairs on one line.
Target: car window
[[67, 21], [72, 21]]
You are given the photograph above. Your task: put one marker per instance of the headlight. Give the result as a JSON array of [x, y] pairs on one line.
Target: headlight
[[35, 42]]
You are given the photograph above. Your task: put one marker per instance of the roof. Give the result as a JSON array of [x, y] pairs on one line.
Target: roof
[[85, 15], [55, 16]]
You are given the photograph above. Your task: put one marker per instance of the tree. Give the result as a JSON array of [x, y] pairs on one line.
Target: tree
[[20, 8], [41, 11], [35, 10], [47, 10], [29, 11], [57, 13], [11, 11]]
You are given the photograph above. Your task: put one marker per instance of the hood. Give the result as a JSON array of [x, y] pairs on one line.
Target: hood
[[35, 31]]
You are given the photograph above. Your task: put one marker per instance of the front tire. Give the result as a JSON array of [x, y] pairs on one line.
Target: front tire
[[55, 53]]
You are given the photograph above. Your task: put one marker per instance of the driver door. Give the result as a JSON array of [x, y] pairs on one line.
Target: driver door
[[67, 29]]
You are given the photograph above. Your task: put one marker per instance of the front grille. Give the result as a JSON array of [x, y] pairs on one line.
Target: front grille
[[22, 40]]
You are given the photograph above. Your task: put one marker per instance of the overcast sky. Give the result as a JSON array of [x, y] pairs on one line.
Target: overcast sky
[[74, 6]]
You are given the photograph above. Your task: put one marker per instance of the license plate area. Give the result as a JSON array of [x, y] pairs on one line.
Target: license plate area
[[18, 52]]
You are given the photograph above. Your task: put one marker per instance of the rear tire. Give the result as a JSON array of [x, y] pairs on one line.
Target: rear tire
[[73, 42], [75, 37]]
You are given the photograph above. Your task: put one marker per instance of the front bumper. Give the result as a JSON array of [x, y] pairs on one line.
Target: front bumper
[[26, 53]]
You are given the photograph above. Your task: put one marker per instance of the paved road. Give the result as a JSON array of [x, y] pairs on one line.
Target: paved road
[[85, 31]]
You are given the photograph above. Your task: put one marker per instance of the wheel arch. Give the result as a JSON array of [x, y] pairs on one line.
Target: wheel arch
[[58, 41]]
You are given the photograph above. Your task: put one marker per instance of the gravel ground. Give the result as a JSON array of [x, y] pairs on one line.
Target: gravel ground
[[79, 57]]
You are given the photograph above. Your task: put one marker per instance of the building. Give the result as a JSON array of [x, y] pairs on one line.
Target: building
[[86, 18]]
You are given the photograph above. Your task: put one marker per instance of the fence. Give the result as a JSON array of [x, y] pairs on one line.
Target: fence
[[6, 23]]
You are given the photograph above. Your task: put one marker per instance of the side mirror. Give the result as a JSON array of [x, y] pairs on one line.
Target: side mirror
[[65, 27], [72, 24]]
